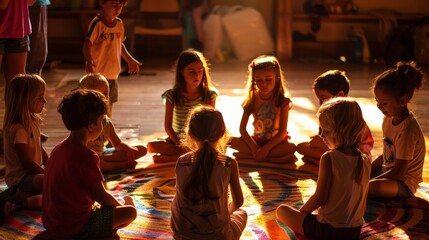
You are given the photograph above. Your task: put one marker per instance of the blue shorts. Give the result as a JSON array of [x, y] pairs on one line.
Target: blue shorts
[[315, 230], [14, 45]]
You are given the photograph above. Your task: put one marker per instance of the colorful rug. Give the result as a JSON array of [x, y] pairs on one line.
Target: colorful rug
[[265, 186]]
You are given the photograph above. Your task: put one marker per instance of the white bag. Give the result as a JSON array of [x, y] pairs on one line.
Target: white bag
[[215, 40], [247, 33]]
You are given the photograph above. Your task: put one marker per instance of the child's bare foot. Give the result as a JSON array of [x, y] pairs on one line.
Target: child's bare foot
[[128, 200]]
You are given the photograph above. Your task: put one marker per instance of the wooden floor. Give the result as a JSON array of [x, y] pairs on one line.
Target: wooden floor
[[139, 114]]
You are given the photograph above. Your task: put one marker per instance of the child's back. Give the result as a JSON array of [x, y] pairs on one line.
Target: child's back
[[212, 215], [343, 180], [66, 210], [201, 207], [73, 180]]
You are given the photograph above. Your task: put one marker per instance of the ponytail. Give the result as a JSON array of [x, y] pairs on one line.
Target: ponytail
[[204, 160]]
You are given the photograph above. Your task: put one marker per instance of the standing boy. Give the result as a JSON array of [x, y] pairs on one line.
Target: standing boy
[[104, 47]]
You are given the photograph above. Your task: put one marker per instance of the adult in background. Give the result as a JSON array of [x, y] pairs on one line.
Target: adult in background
[[14, 41], [36, 57]]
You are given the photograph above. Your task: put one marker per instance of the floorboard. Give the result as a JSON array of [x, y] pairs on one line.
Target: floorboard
[[139, 113]]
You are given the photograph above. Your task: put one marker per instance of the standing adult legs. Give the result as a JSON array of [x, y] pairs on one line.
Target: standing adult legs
[[38, 39]]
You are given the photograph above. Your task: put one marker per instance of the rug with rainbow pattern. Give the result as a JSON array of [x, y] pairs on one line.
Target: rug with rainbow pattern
[[265, 186]]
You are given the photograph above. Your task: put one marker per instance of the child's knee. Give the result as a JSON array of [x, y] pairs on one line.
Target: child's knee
[[302, 147]]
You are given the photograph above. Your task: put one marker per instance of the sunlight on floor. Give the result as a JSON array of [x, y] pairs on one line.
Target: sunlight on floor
[[300, 125]]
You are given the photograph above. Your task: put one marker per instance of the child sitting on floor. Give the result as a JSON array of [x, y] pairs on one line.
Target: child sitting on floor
[[266, 101], [343, 179], [192, 87], [121, 155], [23, 152], [330, 84], [73, 180], [404, 148], [205, 180]]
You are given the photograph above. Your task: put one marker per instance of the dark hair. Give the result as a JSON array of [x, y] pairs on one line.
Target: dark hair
[[185, 58], [124, 2], [264, 62], [82, 107], [402, 80], [206, 136], [333, 81]]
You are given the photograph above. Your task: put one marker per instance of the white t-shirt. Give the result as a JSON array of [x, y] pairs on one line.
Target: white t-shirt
[[404, 141], [15, 134]]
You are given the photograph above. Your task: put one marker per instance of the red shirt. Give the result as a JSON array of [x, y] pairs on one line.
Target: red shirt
[[66, 201]]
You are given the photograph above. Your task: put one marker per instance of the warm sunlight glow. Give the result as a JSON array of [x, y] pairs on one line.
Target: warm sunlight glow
[[307, 188], [257, 180], [239, 92], [373, 116], [302, 126], [304, 103]]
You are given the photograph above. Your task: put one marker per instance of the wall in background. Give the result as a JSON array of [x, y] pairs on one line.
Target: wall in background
[[68, 29]]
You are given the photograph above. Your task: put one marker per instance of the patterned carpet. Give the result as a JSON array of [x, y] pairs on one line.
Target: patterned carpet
[[265, 186]]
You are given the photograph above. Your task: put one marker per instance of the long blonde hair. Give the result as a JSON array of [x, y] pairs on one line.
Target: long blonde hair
[[344, 116], [264, 62], [20, 93]]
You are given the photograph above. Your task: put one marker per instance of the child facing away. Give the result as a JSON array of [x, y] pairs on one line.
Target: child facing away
[[71, 212], [330, 84], [104, 47], [401, 163], [200, 208], [342, 184], [23, 152], [121, 156], [192, 87], [267, 103]]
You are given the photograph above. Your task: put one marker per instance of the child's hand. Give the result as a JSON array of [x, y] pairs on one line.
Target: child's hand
[[317, 142], [261, 154], [89, 67], [132, 152], [134, 66], [128, 200]]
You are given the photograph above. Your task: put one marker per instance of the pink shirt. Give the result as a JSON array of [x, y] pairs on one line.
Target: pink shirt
[[14, 20]]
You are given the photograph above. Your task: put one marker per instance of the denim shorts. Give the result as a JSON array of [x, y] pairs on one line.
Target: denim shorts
[[14, 45]]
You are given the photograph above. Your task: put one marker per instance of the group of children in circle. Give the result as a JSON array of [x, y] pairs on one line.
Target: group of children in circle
[[197, 139]]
